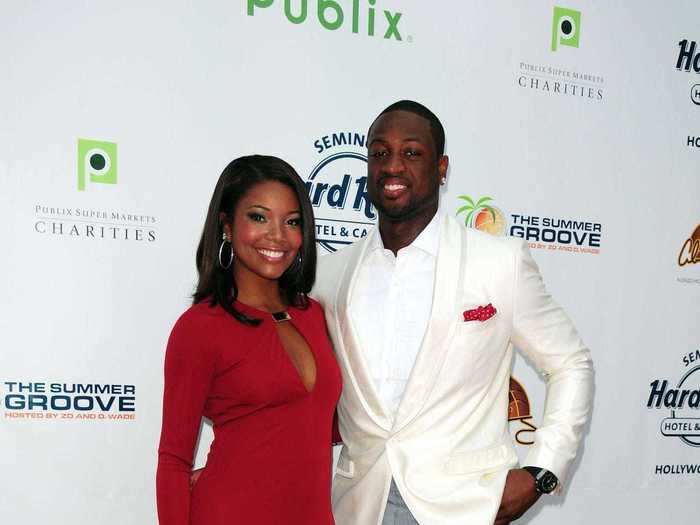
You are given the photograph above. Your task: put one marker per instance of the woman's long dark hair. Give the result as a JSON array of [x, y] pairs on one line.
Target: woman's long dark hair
[[216, 283]]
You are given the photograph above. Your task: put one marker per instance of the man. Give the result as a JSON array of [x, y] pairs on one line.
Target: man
[[423, 314]]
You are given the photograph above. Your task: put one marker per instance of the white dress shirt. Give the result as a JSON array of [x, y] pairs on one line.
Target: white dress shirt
[[390, 309]]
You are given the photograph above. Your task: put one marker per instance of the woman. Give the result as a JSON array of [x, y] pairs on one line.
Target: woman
[[251, 355]]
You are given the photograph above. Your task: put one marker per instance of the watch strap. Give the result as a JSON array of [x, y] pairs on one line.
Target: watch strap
[[534, 471], [540, 475]]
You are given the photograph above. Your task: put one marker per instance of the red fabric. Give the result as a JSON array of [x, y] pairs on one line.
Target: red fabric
[[270, 461], [482, 313]]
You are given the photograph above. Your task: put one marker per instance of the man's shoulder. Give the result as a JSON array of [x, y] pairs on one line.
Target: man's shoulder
[[331, 268], [481, 243], [332, 262]]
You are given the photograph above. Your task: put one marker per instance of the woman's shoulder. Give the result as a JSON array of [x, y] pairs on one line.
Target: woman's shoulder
[[313, 304], [203, 311], [309, 305], [202, 316], [203, 329], [313, 311]]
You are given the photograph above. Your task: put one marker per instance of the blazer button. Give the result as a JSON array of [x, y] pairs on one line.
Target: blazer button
[[486, 479]]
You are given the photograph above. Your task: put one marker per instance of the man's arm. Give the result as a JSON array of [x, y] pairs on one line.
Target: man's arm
[[543, 331]]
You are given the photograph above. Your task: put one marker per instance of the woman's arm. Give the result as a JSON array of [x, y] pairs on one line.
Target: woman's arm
[[189, 368]]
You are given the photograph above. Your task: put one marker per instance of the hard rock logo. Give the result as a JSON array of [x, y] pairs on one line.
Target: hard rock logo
[[337, 187], [682, 401]]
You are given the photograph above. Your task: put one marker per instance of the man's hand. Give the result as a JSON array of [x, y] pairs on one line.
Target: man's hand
[[519, 495]]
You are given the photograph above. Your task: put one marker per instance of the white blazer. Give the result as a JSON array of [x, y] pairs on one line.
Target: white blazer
[[449, 448]]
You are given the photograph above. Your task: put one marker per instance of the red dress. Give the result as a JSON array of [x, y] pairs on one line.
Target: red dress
[[270, 461]]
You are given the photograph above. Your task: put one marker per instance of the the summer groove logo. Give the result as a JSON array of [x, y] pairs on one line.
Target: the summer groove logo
[[337, 187], [44, 400], [562, 234], [96, 172], [362, 16], [482, 215]]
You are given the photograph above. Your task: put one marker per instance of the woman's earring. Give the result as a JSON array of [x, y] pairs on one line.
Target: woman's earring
[[224, 241]]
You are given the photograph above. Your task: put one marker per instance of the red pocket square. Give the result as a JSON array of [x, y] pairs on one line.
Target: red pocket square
[[482, 313]]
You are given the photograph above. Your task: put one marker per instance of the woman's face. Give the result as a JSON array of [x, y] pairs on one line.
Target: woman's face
[[265, 232]]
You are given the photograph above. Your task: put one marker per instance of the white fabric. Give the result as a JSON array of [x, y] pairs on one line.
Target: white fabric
[[448, 447], [390, 308]]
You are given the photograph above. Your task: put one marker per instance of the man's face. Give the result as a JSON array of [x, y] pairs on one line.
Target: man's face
[[403, 169]]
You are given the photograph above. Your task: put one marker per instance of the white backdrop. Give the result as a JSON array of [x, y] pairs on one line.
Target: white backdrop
[[95, 278]]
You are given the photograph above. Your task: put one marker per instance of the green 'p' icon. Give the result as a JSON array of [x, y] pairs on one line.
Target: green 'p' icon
[[97, 161], [566, 27]]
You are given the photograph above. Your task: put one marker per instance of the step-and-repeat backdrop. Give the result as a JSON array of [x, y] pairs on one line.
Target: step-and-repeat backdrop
[[574, 125]]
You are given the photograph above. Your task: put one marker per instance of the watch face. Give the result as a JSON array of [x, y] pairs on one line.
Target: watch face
[[548, 482]]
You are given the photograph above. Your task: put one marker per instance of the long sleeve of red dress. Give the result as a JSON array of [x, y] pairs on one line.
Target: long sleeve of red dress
[[270, 461], [189, 369]]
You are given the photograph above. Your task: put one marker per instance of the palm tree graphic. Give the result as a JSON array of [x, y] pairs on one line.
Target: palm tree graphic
[[473, 209]]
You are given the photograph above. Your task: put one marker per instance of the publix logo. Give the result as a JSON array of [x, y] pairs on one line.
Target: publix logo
[[337, 187], [334, 14], [566, 27], [97, 162]]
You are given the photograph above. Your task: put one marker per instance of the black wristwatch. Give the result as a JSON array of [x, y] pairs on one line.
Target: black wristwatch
[[545, 481]]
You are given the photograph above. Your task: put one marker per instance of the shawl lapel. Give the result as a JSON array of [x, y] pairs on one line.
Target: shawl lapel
[[349, 345], [449, 277]]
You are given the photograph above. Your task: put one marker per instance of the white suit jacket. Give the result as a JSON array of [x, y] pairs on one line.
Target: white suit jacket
[[449, 448]]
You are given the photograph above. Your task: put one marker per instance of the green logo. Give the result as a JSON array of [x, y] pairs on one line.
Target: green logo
[[482, 216], [97, 161], [331, 15], [566, 27]]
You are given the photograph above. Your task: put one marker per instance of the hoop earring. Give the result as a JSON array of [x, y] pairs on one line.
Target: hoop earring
[[221, 249]]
